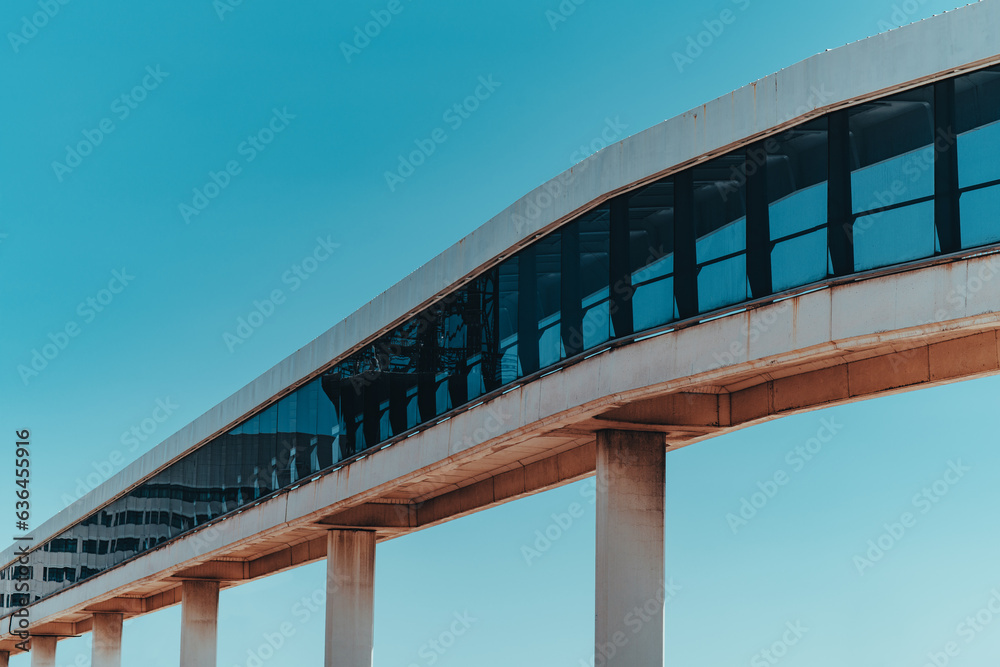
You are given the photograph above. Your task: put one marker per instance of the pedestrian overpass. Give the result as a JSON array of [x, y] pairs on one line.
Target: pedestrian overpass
[[827, 234]]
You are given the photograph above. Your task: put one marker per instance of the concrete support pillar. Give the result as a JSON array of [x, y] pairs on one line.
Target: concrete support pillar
[[199, 623], [350, 598], [43, 652], [107, 651], [631, 477]]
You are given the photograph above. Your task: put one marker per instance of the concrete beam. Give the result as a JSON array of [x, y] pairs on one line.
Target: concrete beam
[[285, 559], [350, 598], [199, 623], [107, 647], [697, 412], [961, 358], [217, 570], [631, 478], [43, 651], [120, 606], [374, 515], [56, 629], [794, 365]]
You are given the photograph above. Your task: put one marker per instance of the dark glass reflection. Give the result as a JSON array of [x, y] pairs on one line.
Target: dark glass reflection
[[892, 144], [720, 230], [752, 222], [977, 117], [651, 254], [796, 174], [585, 297]]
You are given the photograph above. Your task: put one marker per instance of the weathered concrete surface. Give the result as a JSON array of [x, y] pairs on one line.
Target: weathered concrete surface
[[689, 384], [823, 82], [107, 641], [43, 652], [350, 598], [631, 476], [199, 623], [882, 334]]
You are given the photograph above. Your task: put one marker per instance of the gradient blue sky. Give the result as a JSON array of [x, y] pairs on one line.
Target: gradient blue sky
[[62, 235]]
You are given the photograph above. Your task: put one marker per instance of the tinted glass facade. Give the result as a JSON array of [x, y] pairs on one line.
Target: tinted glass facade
[[907, 177]]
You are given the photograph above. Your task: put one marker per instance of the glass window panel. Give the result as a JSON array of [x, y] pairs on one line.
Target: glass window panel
[[722, 241], [550, 348], [720, 206], [799, 211], [287, 407], [488, 290], [305, 434], [977, 155], [895, 236], [327, 424], [980, 211], [548, 269], [799, 261], [722, 283], [797, 164], [509, 364], [653, 304], [977, 111], [893, 152], [588, 323], [441, 394], [651, 251], [720, 229], [596, 319]]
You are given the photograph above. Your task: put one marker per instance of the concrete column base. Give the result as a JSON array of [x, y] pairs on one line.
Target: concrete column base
[[107, 650], [631, 478], [199, 623], [350, 601], [43, 652]]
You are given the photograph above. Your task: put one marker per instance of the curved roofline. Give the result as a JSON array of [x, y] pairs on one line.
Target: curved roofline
[[824, 82]]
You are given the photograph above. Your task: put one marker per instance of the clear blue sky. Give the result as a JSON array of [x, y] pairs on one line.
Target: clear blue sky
[[209, 79]]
